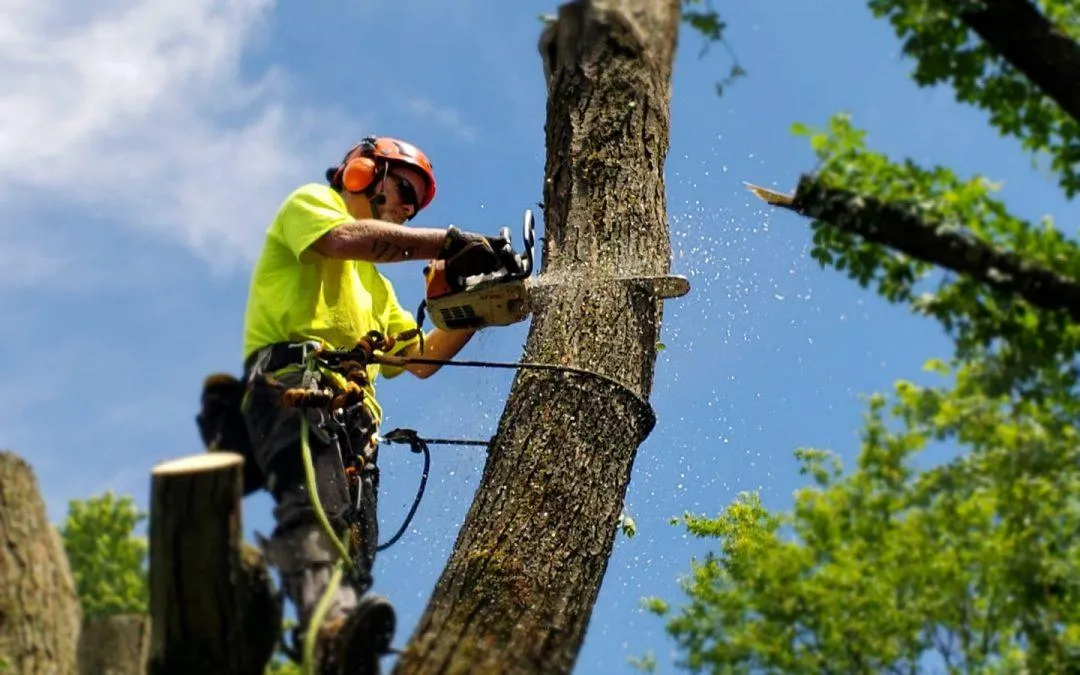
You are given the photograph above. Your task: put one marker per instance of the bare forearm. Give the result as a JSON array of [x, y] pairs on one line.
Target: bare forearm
[[438, 344], [379, 241]]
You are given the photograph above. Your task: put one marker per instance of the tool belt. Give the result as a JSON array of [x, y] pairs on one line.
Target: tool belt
[[221, 422], [276, 356]]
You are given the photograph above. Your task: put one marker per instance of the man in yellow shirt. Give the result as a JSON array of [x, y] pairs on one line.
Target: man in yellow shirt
[[316, 283]]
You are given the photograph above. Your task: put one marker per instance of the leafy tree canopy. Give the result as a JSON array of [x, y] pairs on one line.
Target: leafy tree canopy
[[971, 565], [107, 560]]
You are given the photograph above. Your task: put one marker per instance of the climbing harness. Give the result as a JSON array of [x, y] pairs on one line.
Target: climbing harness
[[372, 350], [335, 381]]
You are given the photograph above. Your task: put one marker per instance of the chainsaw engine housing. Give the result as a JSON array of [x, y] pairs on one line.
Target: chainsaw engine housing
[[499, 298]]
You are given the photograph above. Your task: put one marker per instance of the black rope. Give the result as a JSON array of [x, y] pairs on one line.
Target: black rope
[[420, 445], [646, 412], [332, 356], [517, 365], [417, 445]]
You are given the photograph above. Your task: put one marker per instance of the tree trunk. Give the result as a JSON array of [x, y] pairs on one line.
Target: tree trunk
[[39, 607], [114, 645], [518, 591], [212, 605]]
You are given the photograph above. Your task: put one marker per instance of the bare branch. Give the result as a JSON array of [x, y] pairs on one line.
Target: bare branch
[[904, 230]]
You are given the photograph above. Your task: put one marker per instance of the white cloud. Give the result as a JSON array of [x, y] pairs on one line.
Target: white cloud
[[138, 112], [446, 117]]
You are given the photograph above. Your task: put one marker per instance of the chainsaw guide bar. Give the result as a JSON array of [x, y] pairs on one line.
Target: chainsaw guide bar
[[504, 297]]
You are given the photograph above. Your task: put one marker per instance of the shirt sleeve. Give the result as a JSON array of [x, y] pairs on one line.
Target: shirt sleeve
[[308, 214], [400, 320]]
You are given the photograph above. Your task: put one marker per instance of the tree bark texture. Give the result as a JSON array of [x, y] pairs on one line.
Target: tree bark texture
[[39, 606], [114, 645], [1040, 50], [518, 591], [212, 604]]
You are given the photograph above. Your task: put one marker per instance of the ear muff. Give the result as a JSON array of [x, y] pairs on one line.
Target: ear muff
[[358, 174]]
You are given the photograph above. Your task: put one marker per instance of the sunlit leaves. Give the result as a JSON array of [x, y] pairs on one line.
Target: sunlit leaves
[[946, 51], [107, 560], [1038, 346], [968, 562]]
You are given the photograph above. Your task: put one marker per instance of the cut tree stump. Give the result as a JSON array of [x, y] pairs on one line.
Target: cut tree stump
[[39, 607], [212, 603], [114, 645]]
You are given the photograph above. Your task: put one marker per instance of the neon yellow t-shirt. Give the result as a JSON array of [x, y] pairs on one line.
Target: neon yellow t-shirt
[[296, 294]]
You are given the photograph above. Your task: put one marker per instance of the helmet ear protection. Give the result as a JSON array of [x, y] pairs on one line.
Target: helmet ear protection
[[357, 173]]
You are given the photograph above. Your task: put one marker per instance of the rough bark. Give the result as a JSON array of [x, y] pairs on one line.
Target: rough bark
[[518, 590], [905, 230], [114, 645], [39, 607], [1043, 52], [212, 603]]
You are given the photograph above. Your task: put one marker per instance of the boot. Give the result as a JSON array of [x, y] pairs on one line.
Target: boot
[[353, 645]]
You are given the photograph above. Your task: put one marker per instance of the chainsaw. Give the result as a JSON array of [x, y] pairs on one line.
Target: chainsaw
[[498, 298], [502, 297]]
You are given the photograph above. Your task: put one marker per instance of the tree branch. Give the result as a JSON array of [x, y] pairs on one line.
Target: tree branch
[[1036, 47], [904, 230]]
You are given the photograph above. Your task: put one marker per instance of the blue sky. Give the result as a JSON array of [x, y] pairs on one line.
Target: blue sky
[[143, 148]]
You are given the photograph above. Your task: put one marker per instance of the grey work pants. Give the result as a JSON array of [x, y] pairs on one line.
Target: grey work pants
[[299, 547]]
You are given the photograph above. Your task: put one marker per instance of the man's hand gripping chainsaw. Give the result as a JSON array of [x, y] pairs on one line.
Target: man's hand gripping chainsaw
[[479, 281]]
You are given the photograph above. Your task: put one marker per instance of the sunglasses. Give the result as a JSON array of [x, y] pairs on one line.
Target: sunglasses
[[407, 191]]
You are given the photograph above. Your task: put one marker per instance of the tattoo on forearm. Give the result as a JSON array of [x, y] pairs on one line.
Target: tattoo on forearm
[[385, 251]]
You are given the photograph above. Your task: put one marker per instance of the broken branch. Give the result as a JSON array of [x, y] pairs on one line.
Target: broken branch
[[904, 229]]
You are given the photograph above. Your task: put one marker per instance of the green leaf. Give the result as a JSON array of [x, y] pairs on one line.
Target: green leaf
[[971, 561], [108, 561]]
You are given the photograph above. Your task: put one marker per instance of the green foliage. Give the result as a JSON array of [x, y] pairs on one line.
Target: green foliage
[[976, 561], [700, 16], [946, 51], [969, 565], [646, 664], [107, 560], [1034, 349]]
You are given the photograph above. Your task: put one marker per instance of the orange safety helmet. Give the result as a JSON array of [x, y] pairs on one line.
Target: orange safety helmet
[[361, 164]]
